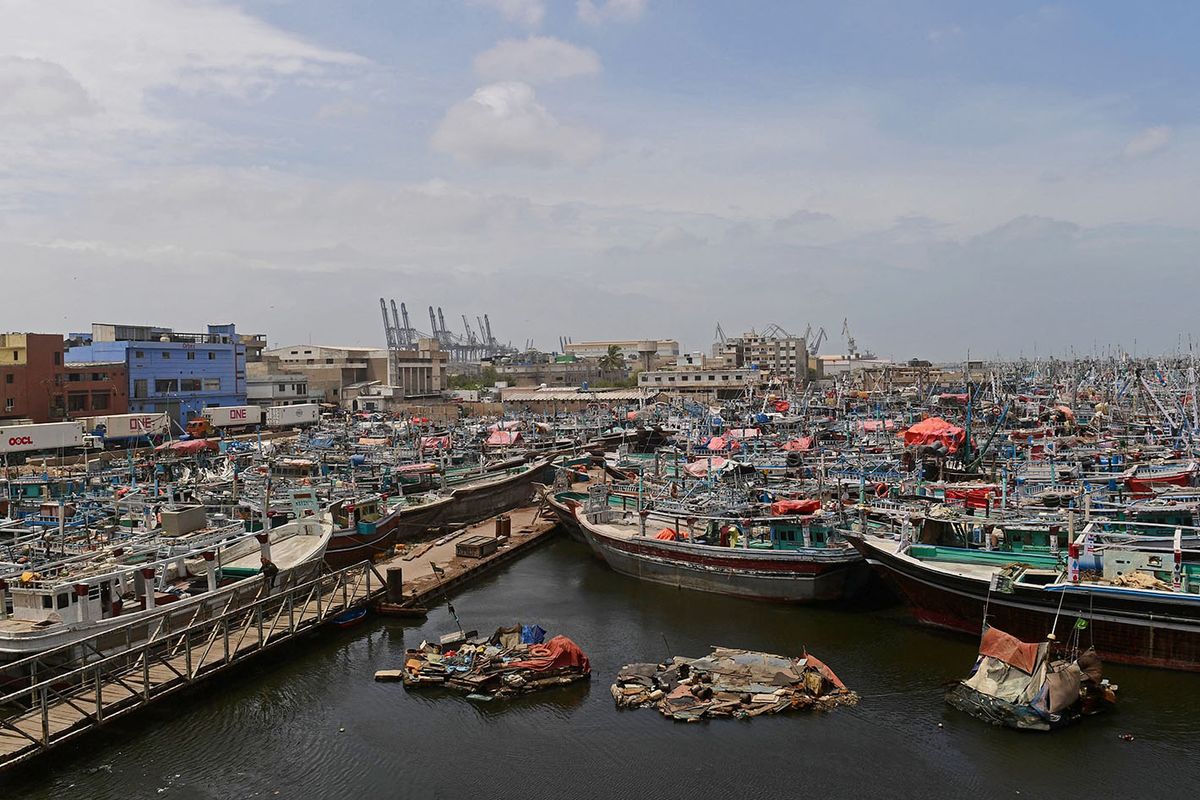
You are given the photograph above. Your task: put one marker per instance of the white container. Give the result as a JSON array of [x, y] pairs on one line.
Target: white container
[[293, 416], [47, 436], [125, 426], [233, 416]]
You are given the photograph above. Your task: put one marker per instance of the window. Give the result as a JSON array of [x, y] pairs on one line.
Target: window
[[139, 353], [724, 377], [75, 377], [189, 385], [64, 600], [166, 354], [329, 361], [139, 388], [8, 378], [281, 387], [212, 356], [57, 358], [162, 386], [712, 377], [16, 355], [658, 379], [212, 384], [8, 404], [99, 376], [191, 356], [100, 401], [76, 402]]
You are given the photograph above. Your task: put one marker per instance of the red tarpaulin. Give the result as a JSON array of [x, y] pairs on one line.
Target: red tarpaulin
[[799, 445], [957, 399], [434, 443], [1009, 649], [1146, 485], [558, 653], [667, 535], [781, 507], [872, 425], [721, 443], [972, 498], [935, 429], [782, 406], [744, 433], [503, 437]]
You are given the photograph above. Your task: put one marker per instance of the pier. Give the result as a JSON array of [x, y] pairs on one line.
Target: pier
[[73, 689]]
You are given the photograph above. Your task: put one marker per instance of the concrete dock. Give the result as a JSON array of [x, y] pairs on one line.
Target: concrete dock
[[528, 527]]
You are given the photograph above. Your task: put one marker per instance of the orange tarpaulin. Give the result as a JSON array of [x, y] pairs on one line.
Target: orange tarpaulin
[[1009, 649], [558, 653], [799, 445], [667, 535], [933, 430]]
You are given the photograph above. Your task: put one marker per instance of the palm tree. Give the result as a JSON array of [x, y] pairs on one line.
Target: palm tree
[[613, 360]]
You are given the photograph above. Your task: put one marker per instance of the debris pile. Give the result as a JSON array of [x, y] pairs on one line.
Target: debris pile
[[731, 683], [513, 661]]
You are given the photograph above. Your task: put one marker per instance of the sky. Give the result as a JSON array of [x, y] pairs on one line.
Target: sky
[[950, 177]]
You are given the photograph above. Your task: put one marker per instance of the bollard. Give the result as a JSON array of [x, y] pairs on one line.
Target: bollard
[[395, 585]]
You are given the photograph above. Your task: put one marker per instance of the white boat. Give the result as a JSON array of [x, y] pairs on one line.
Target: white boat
[[169, 585]]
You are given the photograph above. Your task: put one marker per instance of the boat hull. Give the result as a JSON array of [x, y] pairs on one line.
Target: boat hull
[[760, 575], [486, 499], [1123, 629], [348, 546]]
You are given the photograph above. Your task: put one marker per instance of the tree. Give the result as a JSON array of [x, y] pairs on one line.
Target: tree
[[613, 360]]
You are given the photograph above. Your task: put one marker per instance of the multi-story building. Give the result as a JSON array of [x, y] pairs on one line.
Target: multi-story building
[[168, 371], [36, 383], [713, 382], [331, 370], [784, 357], [281, 389], [649, 353]]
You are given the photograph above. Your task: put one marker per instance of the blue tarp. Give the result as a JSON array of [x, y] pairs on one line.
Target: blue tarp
[[532, 634]]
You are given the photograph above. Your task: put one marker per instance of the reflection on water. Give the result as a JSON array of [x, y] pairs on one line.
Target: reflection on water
[[310, 721]]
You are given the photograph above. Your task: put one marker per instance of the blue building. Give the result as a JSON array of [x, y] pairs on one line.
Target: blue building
[[179, 373]]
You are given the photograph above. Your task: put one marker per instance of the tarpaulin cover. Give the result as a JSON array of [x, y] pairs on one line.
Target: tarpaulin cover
[[799, 445], [717, 443], [953, 398], [667, 535], [503, 437], [406, 469], [782, 406], [743, 433], [532, 634], [505, 425], [434, 443], [1009, 649], [870, 425], [190, 446], [1145, 485], [781, 507], [372, 441], [558, 653], [699, 469], [935, 429], [1065, 411], [972, 498]]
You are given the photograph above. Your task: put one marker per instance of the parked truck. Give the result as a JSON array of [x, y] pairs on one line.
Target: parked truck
[[224, 418], [46, 436], [297, 416], [125, 430]]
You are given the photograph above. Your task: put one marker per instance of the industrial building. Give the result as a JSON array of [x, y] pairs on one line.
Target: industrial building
[[37, 384], [180, 374], [330, 371]]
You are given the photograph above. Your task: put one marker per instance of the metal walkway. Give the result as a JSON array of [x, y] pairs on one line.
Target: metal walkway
[[74, 688]]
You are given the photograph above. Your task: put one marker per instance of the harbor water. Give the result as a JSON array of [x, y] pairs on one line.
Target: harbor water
[[310, 721]]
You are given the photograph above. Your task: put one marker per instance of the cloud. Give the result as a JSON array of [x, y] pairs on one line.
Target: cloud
[[944, 34], [535, 60], [595, 13], [524, 12], [1148, 141], [503, 123], [33, 90]]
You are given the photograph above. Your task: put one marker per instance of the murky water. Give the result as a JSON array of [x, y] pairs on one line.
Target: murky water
[[309, 721]]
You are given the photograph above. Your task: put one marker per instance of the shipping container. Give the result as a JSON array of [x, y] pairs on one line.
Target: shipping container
[[127, 426], [293, 416], [233, 416], [48, 436]]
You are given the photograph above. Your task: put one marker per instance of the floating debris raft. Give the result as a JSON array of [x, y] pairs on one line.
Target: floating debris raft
[[731, 683], [513, 661], [1023, 685]]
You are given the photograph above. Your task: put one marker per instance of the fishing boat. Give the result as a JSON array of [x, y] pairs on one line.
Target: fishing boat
[[1140, 605], [1027, 686], [366, 528], [496, 492], [165, 584], [787, 559]]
